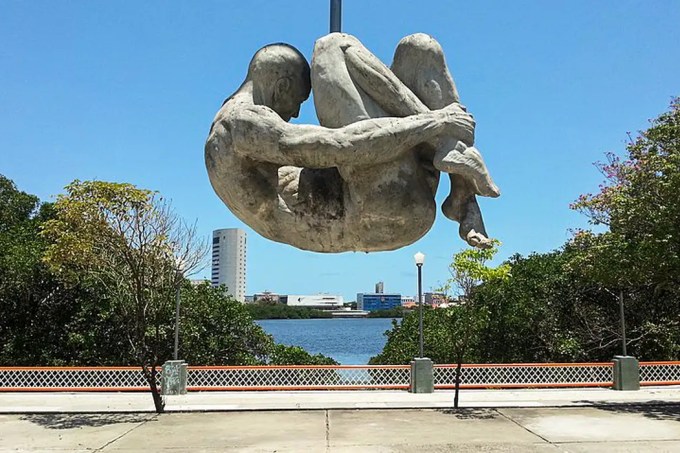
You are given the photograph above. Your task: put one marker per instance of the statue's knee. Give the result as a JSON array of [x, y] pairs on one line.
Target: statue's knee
[[421, 46]]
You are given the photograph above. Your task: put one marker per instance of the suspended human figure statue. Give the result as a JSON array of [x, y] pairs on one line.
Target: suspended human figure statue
[[366, 178]]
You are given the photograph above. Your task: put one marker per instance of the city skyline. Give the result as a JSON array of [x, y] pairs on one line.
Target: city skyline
[[126, 92]]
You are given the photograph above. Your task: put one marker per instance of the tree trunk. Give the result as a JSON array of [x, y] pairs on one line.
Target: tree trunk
[[459, 365], [150, 375]]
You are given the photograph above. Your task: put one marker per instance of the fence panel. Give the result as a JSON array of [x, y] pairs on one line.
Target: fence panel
[[333, 377], [660, 373], [73, 379], [527, 375]]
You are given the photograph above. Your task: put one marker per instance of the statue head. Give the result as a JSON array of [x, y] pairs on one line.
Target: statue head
[[280, 76]]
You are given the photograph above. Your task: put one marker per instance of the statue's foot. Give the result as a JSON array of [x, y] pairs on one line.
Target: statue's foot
[[461, 206], [478, 240], [467, 162]]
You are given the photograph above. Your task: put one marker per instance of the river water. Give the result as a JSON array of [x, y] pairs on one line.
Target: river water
[[347, 340]]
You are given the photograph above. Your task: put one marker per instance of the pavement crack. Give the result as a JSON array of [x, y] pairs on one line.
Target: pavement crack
[[125, 433], [523, 427], [328, 431]]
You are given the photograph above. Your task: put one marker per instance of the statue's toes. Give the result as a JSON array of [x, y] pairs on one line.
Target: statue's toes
[[478, 240]]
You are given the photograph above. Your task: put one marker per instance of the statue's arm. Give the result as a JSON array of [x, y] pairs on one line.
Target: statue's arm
[[259, 134]]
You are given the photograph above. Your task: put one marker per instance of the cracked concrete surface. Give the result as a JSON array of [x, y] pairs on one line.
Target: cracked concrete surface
[[612, 428]]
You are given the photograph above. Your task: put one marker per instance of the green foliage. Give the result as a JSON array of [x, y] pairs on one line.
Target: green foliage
[[216, 329], [402, 339], [544, 312], [397, 312], [16, 207], [466, 320], [74, 313], [639, 254], [468, 270], [295, 355], [449, 334], [121, 239], [32, 301], [265, 310], [563, 306], [639, 204]]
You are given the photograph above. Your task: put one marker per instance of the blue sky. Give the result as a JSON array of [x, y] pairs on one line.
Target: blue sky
[[126, 91]]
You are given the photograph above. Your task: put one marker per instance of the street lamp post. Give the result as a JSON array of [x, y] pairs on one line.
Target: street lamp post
[[626, 368], [174, 377], [177, 289], [175, 353], [422, 377], [623, 323], [420, 260]]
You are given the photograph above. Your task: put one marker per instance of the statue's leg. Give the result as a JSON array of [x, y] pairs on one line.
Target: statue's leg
[[337, 99], [419, 62], [350, 84]]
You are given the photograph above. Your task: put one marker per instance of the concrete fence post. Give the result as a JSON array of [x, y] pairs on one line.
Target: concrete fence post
[[174, 378], [422, 376], [626, 373]]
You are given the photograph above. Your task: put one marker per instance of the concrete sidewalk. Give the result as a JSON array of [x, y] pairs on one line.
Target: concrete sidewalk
[[623, 428], [55, 402]]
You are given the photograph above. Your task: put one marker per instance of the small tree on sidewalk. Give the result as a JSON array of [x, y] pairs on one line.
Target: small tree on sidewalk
[[129, 242], [465, 318]]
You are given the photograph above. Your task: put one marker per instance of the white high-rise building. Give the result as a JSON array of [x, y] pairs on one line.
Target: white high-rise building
[[229, 261]]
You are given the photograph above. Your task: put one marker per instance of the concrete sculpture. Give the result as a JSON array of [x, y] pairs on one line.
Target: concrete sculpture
[[365, 179]]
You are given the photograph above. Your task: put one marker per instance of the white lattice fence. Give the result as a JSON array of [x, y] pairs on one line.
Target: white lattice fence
[[659, 373], [525, 375], [73, 379], [298, 377], [333, 377]]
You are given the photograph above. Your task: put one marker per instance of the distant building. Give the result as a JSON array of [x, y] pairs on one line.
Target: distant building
[[379, 288], [229, 261], [408, 301], [435, 299], [249, 299], [318, 301], [378, 301], [267, 296], [199, 281]]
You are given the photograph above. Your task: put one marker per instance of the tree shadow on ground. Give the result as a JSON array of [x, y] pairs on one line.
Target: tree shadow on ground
[[73, 421], [469, 413], [657, 410]]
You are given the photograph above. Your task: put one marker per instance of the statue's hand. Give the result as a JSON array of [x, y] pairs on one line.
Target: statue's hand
[[455, 107], [457, 123]]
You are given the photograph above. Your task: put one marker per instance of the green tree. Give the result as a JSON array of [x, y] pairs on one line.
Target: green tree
[[32, 300], [467, 319], [638, 256], [219, 330], [449, 334], [545, 312], [216, 329], [639, 205], [129, 242]]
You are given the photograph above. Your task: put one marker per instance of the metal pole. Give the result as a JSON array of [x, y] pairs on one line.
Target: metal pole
[[420, 308], [174, 356], [623, 323], [336, 16]]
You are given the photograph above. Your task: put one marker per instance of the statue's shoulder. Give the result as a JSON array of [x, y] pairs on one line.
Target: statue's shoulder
[[237, 108]]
